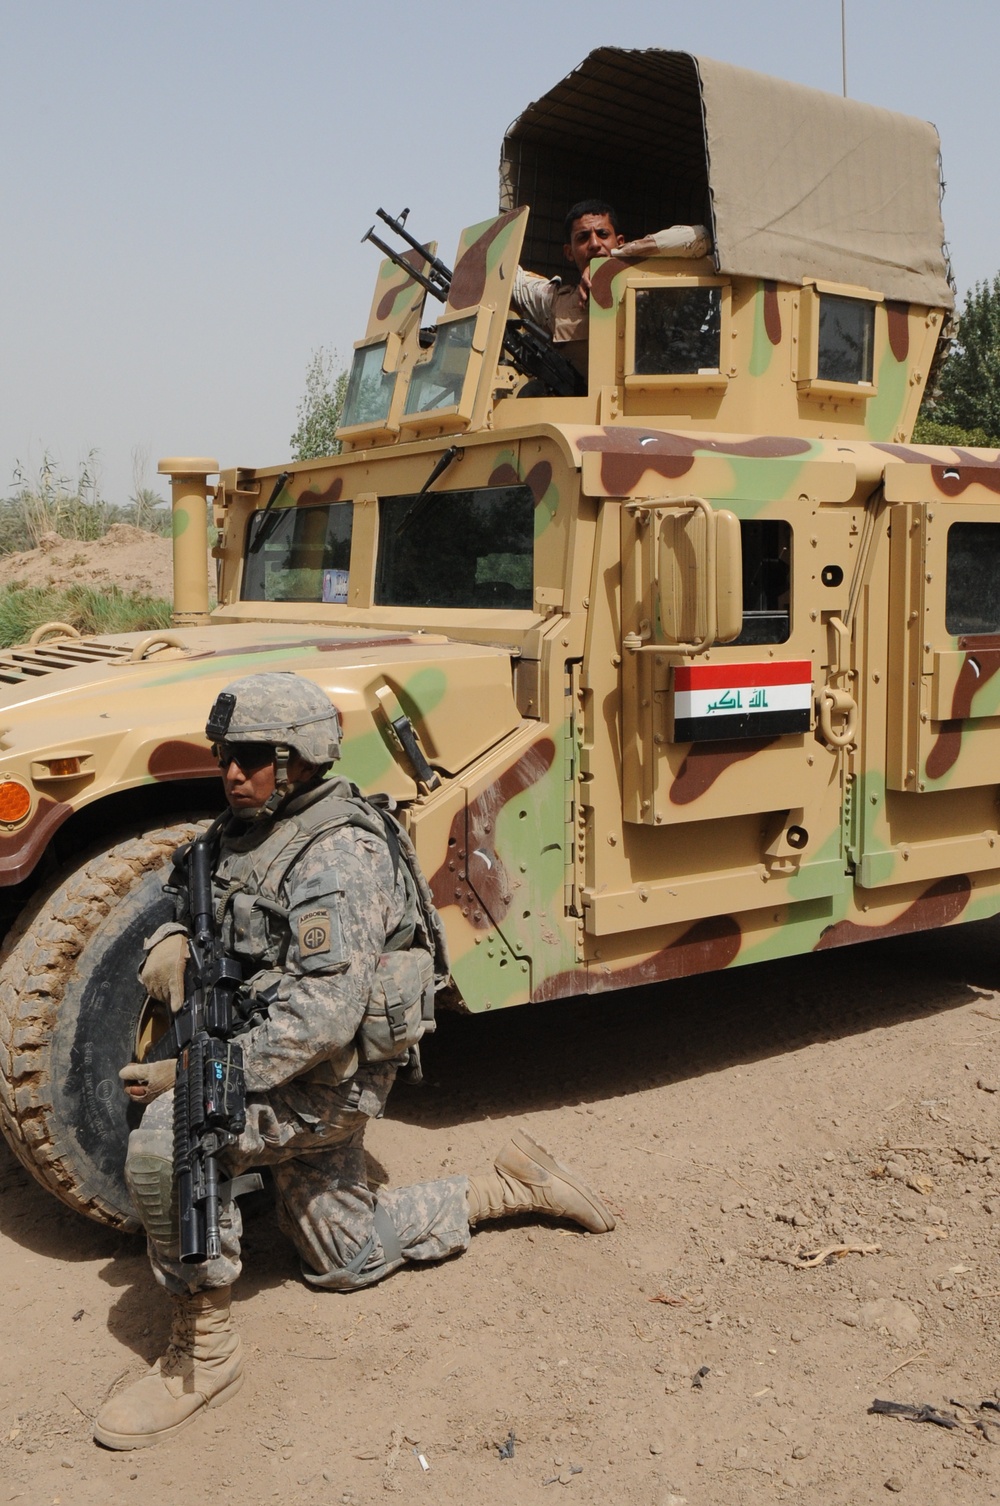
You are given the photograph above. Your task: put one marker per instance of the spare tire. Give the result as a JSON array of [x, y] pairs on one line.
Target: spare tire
[[69, 1004]]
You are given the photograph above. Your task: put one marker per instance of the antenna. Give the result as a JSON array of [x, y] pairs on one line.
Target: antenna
[[843, 42]]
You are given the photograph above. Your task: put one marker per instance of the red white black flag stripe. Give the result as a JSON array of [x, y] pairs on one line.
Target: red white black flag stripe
[[741, 700]]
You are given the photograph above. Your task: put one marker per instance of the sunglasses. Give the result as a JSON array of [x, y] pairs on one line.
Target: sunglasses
[[249, 756]]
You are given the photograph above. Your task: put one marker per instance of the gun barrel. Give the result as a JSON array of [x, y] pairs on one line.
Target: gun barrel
[[441, 268], [425, 282], [213, 1234]]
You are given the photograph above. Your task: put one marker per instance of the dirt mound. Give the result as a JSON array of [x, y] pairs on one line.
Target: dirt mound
[[127, 557]]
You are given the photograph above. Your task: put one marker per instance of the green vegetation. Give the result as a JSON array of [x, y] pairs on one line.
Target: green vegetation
[[965, 407], [48, 501], [320, 408], [90, 609], [927, 430]]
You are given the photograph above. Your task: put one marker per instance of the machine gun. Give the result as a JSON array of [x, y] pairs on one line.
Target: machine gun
[[526, 344], [210, 1093]]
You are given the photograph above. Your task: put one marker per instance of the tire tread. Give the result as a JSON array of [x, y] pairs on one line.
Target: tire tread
[[36, 960]]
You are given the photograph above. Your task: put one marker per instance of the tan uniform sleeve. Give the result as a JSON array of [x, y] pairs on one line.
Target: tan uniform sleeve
[[535, 297]]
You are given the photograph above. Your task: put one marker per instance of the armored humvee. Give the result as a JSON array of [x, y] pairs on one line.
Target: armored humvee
[[693, 667]]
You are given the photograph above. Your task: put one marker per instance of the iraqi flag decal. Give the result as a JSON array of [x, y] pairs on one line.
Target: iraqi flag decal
[[741, 700]]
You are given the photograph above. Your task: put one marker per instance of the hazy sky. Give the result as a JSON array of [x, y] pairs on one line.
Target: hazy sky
[[186, 185]]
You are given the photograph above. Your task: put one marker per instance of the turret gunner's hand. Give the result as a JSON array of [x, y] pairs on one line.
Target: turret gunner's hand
[[162, 973], [144, 1081]]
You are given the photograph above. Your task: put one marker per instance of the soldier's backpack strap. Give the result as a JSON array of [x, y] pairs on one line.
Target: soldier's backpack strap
[[380, 804]]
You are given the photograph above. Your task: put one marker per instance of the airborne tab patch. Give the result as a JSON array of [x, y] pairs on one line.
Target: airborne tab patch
[[314, 931]]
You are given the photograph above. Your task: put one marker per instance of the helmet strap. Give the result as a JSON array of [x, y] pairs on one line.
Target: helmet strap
[[283, 787]]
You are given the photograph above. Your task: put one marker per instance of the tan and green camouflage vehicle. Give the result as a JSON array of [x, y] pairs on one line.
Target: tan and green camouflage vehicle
[[690, 669]]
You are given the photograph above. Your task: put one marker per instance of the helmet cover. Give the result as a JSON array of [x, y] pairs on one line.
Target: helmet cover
[[280, 708]]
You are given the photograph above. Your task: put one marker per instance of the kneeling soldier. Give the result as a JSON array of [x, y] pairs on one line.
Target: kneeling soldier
[[319, 897]]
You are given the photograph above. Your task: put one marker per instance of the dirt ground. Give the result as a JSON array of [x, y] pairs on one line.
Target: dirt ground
[[127, 557], [732, 1122]]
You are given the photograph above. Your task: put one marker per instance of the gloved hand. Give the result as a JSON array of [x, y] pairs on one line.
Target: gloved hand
[[162, 973], [144, 1081]]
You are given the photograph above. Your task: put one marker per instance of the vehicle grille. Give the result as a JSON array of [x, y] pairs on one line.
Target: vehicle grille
[[20, 664]]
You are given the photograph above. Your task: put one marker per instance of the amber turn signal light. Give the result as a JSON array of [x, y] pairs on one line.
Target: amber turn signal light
[[63, 767], [15, 800]]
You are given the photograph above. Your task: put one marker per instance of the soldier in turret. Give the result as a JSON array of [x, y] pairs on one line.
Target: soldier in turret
[[561, 308], [321, 900]]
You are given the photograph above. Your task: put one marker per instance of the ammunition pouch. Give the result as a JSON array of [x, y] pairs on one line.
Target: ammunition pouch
[[401, 1008]]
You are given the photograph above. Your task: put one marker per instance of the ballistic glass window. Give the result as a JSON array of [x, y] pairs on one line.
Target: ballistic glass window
[[846, 339], [298, 554], [767, 554], [369, 388], [972, 589], [438, 382], [457, 549], [677, 330]]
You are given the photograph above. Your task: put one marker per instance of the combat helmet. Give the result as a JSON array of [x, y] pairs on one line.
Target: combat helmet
[[281, 709]]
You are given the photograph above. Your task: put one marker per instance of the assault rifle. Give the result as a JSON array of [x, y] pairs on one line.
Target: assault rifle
[[210, 1093], [527, 345]]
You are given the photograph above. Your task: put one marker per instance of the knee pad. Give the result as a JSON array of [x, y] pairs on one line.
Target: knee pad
[[149, 1176]]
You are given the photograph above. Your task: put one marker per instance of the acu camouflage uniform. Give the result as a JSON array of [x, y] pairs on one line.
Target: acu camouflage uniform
[[316, 924]]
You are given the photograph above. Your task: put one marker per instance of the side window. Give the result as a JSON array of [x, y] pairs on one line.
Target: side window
[[767, 579], [678, 331], [846, 340], [298, 554], [972, 589], [457, 549]]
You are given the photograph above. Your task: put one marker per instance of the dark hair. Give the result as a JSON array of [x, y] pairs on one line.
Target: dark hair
[[590, 206]]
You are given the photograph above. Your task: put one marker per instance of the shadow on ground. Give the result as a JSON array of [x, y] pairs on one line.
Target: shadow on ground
[[574, 1051], [589, 1049]]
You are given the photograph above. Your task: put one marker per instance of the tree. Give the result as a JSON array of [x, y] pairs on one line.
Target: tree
[[320, 407], [968, 393]]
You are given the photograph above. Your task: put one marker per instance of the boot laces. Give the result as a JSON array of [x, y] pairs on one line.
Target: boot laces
[[180, 1346]]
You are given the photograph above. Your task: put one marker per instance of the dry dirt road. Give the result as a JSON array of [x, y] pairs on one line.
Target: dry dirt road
[[846, 1099]]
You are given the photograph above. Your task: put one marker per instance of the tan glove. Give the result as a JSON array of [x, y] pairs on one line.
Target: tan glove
[[144, 1081], [162, 973]]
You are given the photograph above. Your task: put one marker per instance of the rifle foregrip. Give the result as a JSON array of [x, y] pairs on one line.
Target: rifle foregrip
[[190, 1216]]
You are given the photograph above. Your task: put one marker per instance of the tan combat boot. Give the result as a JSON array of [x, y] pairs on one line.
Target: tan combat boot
[[526, 1179], [202, 1367]]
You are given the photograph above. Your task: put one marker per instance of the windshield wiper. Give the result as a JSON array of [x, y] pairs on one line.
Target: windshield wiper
[[419, 502], [265, 528]]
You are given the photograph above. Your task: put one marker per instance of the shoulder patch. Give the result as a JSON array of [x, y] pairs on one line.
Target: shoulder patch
[[314, 929]]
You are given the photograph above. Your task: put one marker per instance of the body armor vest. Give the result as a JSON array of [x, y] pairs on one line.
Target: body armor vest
[[253, 874]]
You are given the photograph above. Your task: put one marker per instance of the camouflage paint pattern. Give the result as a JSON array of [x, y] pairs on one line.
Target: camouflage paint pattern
[[572, 844]]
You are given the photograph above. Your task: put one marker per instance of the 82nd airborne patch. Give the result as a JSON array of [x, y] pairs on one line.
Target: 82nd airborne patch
[[314, 930]]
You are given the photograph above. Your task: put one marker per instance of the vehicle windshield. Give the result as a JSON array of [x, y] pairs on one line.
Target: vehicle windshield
[[298, 554], [457, 549]]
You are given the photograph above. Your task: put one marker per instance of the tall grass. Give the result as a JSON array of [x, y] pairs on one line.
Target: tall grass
[[87, 608], [47, 501]]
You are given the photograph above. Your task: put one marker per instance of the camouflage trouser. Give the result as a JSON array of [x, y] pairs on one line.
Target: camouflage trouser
[[313, 1138]]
